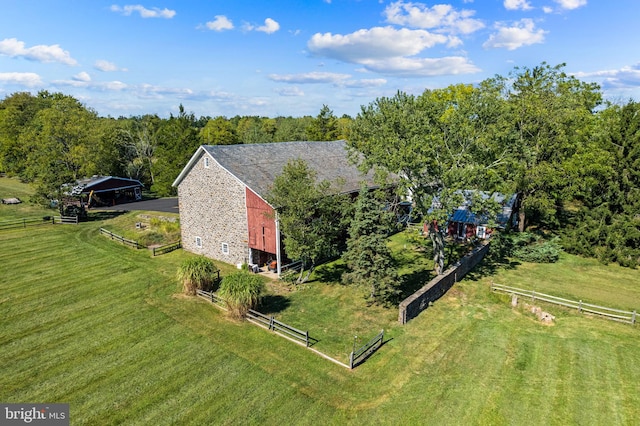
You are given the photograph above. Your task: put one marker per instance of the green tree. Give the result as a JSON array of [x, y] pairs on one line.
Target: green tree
[[551, 114], [177, 140], [16, 114], [367, 256], [61, 142], [241, 291], [324, 127], [607, 224], [439, 144], [311, 218], [218, 131]]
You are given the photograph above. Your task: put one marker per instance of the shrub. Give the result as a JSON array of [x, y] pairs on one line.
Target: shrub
[[241, 291], [527, 247], [198, 273]]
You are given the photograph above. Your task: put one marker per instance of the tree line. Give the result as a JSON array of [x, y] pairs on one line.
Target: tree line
[[49, 139], [539, 132]]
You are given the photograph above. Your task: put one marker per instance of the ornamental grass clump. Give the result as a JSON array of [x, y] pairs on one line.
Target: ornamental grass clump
[[198, 273], [241, 291]]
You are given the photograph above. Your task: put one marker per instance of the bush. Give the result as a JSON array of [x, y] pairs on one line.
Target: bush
[[241, 291], [198, 273], [527, 247]]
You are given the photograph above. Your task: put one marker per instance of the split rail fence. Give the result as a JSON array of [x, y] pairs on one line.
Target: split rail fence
[[295, 335], [125, 241], [37, 221], [359, 356], [628, 317]]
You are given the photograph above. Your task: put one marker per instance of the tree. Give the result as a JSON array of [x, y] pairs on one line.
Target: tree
[[311, 218], [368, 257], [607, 224], [61, 142], [218, 131], [324, 127], [177, 140], [241, 291], [198, 273], [551, 114], [439, 144]]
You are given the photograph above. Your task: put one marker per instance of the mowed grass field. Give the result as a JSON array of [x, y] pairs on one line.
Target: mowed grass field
[[100, 326]]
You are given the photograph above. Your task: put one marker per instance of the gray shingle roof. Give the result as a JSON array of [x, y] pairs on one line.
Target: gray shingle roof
[[257, 165]]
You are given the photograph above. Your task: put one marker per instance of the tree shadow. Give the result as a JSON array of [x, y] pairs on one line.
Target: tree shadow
[[414, 281], [273, 303], [329, 273]]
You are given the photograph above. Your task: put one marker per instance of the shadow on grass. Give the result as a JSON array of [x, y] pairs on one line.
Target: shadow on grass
[[95, 216], [414, 281], [273, 303], [329, 272], [370, 354]]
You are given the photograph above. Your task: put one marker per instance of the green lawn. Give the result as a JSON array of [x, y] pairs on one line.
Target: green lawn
[[100, 326]]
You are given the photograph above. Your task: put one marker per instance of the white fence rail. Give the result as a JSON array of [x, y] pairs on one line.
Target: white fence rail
[[609, 313]]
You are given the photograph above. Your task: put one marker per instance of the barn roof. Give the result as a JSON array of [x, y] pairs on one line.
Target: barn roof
[[257, 165]]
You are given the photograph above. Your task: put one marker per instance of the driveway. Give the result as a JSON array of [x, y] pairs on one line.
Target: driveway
[[165, 205]]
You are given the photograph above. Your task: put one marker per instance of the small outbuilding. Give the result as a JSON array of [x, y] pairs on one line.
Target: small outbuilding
[[99, 191]]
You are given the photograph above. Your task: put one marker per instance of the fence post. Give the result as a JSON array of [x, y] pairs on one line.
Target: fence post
[[533, 295], [351, 360], [306, 338], [580, 306], [271, 323], [633, 317]]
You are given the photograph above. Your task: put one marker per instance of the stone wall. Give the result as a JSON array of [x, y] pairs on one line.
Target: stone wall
[[437, 287], [213, 207]]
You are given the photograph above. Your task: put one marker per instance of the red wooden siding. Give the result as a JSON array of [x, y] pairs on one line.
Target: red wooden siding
[[262, 226]]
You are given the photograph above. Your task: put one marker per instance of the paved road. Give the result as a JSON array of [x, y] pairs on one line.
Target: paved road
[[165, 205]]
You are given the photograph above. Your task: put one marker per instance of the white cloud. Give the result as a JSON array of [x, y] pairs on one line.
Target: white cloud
[[547, 9], [391, 51], [220, 23], [290, 91], [311, 77], [29, 79], [270, 26], [107, 66], [522, 33], [625, 77], [517, 5], [422, 67], [442, 17], [154, 12], [82, 76], [365, 82], [571, 4], [41, 53], [377, 42]]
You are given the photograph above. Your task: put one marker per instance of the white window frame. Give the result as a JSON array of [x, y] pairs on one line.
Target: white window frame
[[225, 248], [198, 242]]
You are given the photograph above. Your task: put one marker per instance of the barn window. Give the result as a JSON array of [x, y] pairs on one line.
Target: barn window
[[225, 248], [198, 242], [206, 162]]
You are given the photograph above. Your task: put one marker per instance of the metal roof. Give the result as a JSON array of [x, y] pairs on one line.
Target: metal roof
[[257, 165]]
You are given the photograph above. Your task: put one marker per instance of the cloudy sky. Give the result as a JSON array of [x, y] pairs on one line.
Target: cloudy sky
[[285, 57]]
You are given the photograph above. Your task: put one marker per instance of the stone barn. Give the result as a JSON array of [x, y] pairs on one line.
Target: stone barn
[[222, 195]]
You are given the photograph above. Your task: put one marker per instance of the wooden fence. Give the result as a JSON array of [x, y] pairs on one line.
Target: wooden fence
[[157, 251], [291, 333], [66, 220], [609, 313], [298, 336], [359, 356], [24, 222], [120, 239]]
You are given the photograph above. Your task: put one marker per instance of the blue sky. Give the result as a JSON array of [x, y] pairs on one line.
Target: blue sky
[[289, 58]]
